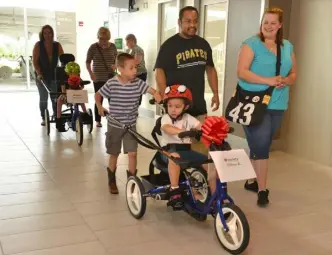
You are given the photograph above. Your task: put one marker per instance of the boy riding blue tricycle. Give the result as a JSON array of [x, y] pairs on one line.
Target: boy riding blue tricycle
[[188, 189]]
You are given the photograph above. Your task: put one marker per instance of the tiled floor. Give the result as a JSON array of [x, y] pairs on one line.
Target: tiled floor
[[54, 199]]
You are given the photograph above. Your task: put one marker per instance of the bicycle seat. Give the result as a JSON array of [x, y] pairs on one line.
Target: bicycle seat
[[66, 58]]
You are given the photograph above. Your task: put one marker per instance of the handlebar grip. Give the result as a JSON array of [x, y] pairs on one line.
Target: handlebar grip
[[85, 82], [153, 101], [191, 133]]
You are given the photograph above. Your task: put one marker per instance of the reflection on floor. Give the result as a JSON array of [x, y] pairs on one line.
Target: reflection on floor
[[54, 199], [16, 84]]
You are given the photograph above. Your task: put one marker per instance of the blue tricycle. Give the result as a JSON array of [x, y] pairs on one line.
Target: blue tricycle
[[231, 225], [72, 115]]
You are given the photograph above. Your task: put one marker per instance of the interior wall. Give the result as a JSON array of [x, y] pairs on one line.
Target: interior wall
[[147, 35], [92, 14], [243, 22], [308, 132], [286, 6]]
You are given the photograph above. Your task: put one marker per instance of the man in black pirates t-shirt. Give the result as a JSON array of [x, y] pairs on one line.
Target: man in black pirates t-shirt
[[184, 58]]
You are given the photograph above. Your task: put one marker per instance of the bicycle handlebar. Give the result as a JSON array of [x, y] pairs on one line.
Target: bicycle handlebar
[[190, 133], [83, 83], [197, 134], [153, 101]]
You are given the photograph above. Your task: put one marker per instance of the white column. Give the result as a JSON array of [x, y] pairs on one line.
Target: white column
[[26, 35]]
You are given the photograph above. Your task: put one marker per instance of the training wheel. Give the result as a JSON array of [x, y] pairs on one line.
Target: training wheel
[[47, 121], [136, 202], [90, 125], [236, 240], [79, 130]]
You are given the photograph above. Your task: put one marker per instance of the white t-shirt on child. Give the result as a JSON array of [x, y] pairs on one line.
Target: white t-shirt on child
[[186, 123]]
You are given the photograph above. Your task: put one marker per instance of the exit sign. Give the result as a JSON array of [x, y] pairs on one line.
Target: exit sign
[[81, 23]]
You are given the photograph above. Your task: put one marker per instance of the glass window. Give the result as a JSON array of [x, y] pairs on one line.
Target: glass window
[[12, 49], [36, 19], [169, 18], [213, 25]]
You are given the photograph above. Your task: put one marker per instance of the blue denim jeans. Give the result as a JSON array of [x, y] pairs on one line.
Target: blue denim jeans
[[43, 97], [260, 136]]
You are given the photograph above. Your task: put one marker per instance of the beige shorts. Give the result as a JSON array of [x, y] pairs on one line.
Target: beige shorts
[[116, 137]]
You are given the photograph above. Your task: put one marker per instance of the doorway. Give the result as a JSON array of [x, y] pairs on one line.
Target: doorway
[[213, 28]]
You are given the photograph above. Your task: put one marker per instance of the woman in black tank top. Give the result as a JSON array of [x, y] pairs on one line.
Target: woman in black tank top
[[46, 54]]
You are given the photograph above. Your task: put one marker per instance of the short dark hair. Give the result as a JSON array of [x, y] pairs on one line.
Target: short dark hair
[[187, 8], [122, 58], [41, 36], [131, 37]]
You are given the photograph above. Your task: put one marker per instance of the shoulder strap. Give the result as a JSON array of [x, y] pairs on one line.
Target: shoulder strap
[[102, 56], [278, 64], [43, 59]]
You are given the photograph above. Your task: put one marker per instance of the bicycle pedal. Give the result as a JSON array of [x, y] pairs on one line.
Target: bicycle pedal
[[175, 206]]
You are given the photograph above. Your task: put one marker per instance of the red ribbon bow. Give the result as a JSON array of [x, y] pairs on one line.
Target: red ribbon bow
[[74, 81], [214, 128]]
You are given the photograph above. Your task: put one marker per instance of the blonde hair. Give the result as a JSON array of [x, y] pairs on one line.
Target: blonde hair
[[104, 31], [280, 33]]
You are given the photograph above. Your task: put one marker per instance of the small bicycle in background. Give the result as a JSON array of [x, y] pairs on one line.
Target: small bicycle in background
[[72, 116]]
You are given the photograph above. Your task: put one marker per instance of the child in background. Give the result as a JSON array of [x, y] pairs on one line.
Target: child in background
[[72, 69]]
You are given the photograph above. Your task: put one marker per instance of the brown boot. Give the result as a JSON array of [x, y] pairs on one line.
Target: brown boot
[[112, 182]]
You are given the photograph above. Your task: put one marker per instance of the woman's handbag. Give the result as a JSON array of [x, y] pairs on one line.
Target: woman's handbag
[[248, 107]]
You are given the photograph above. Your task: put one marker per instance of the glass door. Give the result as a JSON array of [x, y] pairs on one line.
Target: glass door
[[169, 17], [36, 19], [13, 74], [168, 25], [214, 30]]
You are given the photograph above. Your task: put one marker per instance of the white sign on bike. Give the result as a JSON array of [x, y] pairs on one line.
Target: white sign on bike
[[233, 165], [77, 96]]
